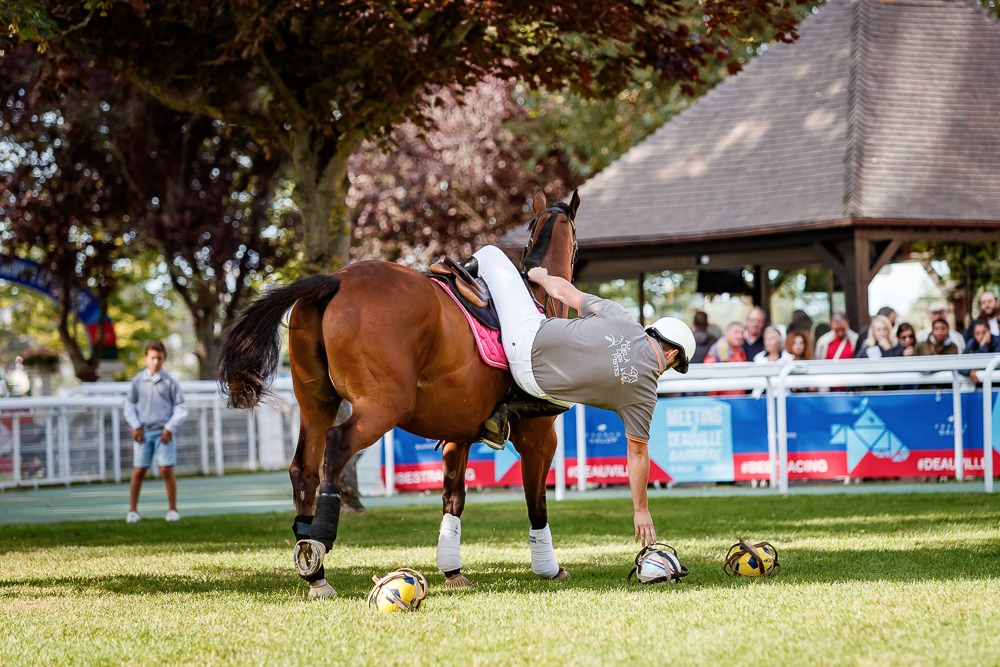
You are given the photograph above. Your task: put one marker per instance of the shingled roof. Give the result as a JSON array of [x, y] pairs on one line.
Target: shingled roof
[[881, 111]]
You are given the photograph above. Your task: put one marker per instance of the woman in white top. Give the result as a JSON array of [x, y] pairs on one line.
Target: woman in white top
[[774, 348]]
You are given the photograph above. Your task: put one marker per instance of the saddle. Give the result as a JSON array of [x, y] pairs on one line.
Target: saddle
[[474, 295], [472, 292]]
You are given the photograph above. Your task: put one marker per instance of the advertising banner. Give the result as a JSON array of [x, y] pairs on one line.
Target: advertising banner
[[872, 435]]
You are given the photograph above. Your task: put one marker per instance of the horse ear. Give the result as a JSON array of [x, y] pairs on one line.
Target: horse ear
[[574, 203], [538, 203]]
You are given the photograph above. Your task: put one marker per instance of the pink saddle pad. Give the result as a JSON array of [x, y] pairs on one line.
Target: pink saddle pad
[[487, 340]]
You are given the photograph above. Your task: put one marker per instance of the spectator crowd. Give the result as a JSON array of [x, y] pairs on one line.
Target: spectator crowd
[[757, 341]]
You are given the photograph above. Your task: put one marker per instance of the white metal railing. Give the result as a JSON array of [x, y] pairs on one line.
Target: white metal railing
[[776, 379], [82, 436]]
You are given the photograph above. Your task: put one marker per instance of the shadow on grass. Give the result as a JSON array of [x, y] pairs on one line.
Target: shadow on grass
[[799, 567], [894, 532]]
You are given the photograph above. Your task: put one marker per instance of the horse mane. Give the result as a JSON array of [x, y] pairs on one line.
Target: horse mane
[[538, 246]]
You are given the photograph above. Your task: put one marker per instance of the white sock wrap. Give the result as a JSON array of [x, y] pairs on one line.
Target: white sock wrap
[[449, 551], [543, 558]]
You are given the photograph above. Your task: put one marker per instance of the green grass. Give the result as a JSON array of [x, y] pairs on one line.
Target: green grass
[[866, 580]]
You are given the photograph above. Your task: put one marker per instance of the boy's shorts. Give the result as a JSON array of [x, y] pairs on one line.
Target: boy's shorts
[[142, 452]]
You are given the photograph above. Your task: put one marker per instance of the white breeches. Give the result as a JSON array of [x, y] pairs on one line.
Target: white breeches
[[519, 317]]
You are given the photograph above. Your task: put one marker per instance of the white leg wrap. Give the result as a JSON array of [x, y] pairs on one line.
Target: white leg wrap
[[449, 556], [543, 558]]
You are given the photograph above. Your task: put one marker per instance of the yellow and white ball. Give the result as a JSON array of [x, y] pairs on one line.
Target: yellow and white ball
[[402, 590]]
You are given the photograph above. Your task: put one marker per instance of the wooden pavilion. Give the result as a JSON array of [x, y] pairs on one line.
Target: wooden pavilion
[[879, 126]]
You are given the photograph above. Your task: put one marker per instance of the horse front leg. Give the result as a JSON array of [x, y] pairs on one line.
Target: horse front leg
[[535, 440], [455, 459]]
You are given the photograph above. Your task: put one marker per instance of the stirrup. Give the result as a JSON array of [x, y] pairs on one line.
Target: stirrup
[[308, 557], [497, 426]]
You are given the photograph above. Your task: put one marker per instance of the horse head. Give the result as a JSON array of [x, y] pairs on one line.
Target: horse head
[[552, 245]]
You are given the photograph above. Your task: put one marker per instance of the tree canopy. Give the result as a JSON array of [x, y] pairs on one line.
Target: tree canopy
[[320, 78], [98, 171]]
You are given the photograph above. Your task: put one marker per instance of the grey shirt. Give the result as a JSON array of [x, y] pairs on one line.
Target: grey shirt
[[155, 402], [602, 358]]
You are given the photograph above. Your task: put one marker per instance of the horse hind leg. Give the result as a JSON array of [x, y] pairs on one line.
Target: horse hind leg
[[304, 473], [319, 408], [455, 459], [367, 423], [535, 440]]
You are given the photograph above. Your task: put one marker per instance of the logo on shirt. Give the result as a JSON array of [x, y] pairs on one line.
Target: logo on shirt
[[621, 361]]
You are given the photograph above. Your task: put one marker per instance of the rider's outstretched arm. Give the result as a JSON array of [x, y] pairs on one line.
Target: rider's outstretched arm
[[558, 288]]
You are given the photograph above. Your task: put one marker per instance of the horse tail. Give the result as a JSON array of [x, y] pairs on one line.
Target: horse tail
[[251, 346]]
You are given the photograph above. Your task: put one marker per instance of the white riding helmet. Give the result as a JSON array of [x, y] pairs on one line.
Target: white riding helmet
[[674, 331]]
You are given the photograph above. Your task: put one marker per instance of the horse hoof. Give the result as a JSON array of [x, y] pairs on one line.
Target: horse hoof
[[561, 575], [321, 589], [308, 557], [458, 581]]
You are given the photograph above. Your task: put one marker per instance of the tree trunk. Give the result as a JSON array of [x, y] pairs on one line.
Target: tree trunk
[[321, 184], [85, 368], [206, 348]]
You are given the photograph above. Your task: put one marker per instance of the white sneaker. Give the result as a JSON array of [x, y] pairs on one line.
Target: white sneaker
[[173, 515], [132, 517]]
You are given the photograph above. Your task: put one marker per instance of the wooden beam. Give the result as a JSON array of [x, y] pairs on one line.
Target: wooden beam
[[856, 292], [883, 258], [832, 256]]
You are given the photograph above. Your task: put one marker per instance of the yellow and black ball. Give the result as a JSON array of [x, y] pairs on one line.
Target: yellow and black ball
[[752, 560]]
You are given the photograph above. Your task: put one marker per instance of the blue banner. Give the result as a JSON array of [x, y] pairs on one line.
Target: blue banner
[[890, 434]]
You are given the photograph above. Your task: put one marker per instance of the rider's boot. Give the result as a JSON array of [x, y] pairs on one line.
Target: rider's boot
[[496, 428]]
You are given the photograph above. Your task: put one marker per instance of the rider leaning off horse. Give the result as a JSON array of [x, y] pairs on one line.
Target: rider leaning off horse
[[604, 359]]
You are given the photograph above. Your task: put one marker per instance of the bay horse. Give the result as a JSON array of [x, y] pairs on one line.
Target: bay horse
[[399, 349]]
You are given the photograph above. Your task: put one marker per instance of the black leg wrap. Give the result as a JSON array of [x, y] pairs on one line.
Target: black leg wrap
[[324, 525], [452, 573], [301, 526], [301, 530]]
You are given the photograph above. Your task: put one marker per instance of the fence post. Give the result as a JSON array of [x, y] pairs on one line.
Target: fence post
[[102, 446], [782, 419], [251, 441], [50, 447], [116, 443], [220, 468], [560, 460], [389, 447], [203, 439], [63, 433], [16, 434], [988, 424], [772, 440], [959, 426], [581, 448]]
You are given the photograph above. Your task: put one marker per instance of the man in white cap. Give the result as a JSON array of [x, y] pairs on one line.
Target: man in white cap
[[604, 358], [938, 310]]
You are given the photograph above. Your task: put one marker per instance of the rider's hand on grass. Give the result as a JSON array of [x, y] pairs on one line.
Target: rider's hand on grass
[[645, 532]]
